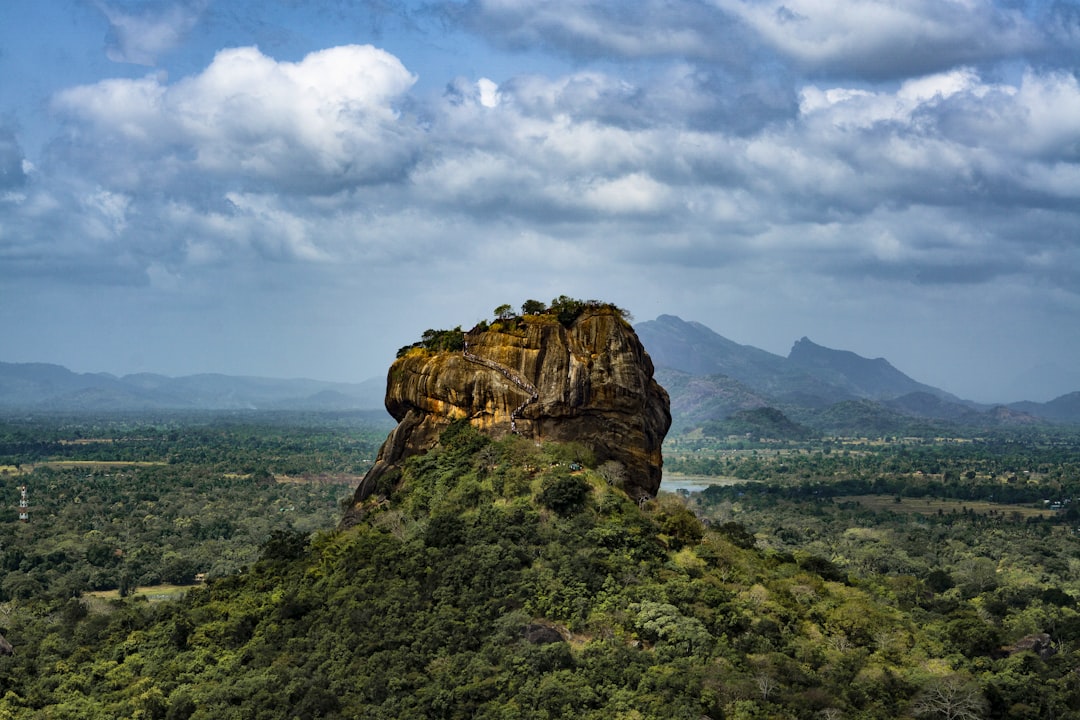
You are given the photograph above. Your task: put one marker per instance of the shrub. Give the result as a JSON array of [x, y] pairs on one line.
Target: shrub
[[565, 495]]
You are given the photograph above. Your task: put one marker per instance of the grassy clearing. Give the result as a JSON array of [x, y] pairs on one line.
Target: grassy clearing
[[99, 599], [99, 463], [320, 479], [26, 469], [934, 506]]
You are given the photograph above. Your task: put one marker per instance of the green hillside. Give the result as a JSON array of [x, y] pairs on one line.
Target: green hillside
[[766, 422], [510, 580]]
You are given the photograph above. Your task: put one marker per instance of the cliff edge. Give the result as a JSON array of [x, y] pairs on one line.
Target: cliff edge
[[587, 380]]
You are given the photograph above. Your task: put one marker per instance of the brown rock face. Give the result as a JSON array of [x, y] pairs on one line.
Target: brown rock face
[[590, 383]]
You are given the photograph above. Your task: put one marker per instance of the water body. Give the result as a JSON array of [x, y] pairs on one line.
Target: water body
[[674, 482]]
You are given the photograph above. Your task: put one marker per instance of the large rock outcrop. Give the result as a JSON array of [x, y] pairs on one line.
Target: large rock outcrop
[[591, 382]]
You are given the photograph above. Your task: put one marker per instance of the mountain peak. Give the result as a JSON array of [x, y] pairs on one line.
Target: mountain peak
[[806, 349], [864, 377]]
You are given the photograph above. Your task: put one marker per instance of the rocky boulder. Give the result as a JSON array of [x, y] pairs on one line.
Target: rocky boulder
[[589, 381]]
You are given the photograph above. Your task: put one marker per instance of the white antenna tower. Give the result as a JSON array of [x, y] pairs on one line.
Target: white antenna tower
[[24, 505]]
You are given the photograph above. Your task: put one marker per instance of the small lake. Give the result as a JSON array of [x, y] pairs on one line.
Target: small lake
[[674, 482]]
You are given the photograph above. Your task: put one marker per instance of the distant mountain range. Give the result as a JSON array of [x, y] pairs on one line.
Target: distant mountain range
[[41, 386], [711, 378], [714, 383]]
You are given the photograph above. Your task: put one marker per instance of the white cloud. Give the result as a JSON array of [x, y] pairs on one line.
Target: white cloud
[[636, 193], [162, 278], [639, 29], [14, 168], [954, 131], [489, 92], [141, 37], [1050, 114], [314, 162], [854, 159], [326, 122], [883, 38], [110, 209], [280, 234]]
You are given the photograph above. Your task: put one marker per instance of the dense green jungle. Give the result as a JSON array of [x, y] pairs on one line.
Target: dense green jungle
[[192, 566]]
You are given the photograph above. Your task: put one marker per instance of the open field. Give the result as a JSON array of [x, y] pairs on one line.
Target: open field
[[153, 593], [320, 479], [27, 468], [934, 506], [98, 463]]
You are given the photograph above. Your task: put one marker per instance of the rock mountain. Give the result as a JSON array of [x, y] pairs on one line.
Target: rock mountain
[[588, 380]]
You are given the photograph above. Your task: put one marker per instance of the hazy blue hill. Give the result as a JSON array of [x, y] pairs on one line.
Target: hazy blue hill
[[329, 399], [218, 391], [862, 377], [1065, 408], [916, 414], [110, 398], [693, 348], [866, 418], [44, 386], [147, 381], [1061, 409], [710, 377], [1004, 416], [1043, 383], [929, 405], [699, 398], [25, 384], [720, 377], [696, 349], [763, 422]]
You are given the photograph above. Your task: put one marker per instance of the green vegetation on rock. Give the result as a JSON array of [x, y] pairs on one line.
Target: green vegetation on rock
[[564, 309]]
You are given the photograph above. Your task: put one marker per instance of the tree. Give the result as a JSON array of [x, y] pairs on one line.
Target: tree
[[737, 534], [533, 307], [285, 545], [565, 495], [504, 312], [567, 309], [675, 634], [614, 473], [679, 523], [766, 684], [953, 697]]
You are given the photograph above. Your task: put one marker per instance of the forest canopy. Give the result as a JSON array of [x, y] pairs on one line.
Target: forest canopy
[[507, 579]]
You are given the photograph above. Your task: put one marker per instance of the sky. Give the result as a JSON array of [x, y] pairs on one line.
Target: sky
[[290, 188]]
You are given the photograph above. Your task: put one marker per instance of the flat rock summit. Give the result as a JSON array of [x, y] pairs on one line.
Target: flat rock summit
[[580, 375]]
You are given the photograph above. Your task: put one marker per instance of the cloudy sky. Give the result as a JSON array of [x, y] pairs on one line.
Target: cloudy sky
[[297, 189]]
